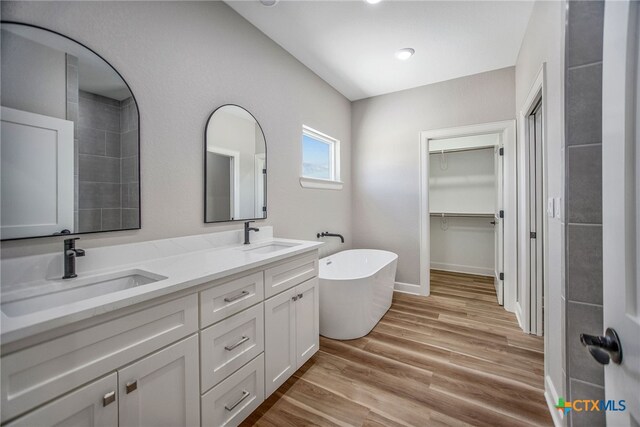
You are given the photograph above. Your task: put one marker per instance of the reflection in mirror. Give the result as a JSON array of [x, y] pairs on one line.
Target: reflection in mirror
[[235, 166], [70, 135]]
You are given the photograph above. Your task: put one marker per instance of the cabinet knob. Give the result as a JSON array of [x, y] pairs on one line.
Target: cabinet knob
[[132, 386], [109, 398], [295, 298], [300, 296]]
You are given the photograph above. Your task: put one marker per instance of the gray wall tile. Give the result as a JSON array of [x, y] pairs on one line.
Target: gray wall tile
[[584, 34], [583, 112], [130, 218], [97, 115], [113, 144], [579, 390], [89, 220], [99, 99], [99, 169], [130, 169], [584, 184], [99, 195], [111, 219], [583, 318], [129, 143], [584, 269], [91, 141]]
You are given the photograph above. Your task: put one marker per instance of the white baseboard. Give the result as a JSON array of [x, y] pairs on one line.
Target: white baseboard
[[551, 396], [407, 288], [455, 268]]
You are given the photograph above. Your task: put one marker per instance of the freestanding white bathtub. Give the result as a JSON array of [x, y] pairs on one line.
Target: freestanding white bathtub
[[356, 288]]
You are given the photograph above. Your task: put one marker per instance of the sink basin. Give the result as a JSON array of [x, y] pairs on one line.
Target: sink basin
[[270, 247], [75, 290]]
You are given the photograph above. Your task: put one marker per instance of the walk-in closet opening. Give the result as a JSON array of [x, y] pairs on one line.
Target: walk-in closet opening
[[465, 200], [468, 211]]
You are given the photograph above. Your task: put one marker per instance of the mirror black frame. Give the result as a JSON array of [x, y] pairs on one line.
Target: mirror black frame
[[139, 156], [204, 174]]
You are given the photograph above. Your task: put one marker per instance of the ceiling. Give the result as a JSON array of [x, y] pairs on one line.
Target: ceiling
[[351, 44]]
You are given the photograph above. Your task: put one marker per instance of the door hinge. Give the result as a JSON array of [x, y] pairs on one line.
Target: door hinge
[[264, 171], [501, 214], [264, 209], [501, 276], [501, 151], [532, 235]]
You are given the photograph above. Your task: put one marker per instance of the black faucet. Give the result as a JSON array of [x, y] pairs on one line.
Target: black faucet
[[247, 229], [327, 234], [70, 254]]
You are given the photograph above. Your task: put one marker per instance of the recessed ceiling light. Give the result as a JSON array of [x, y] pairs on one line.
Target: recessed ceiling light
[[373, 1], [404, 54], [268, 3]]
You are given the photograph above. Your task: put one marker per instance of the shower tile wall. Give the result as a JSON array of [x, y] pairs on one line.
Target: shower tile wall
[[130, 185], [583, 181], [99, 163]]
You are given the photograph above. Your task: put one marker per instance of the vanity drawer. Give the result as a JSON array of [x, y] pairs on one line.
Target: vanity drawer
[[235, 398], [289, 274], [229, 298], [40, 373], [226, 346]]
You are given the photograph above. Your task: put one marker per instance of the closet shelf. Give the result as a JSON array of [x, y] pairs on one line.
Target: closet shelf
[[464, 215]]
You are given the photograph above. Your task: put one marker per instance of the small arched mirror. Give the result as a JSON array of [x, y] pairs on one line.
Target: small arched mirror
[[70, 138], [235, 184]]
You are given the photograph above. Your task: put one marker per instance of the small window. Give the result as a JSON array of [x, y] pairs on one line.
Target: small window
[[320, 160]]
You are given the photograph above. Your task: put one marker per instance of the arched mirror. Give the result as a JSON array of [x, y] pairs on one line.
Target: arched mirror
[[70, 138], [235, 166]]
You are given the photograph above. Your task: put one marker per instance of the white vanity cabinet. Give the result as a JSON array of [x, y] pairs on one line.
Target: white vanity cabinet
[[161, 389], [291, 332], [204, 356], [93, 405]]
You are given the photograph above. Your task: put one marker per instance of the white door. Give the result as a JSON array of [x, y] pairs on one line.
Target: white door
[[162, 389], [37, 190], [93, 405], [307, 321], [260, 181], [280, 339], [621, 205], [498, 228]]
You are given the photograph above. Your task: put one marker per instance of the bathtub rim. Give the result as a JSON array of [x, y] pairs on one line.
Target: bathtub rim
[[373, 273]]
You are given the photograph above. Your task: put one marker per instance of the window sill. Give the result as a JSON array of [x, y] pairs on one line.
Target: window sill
[[321, 184]]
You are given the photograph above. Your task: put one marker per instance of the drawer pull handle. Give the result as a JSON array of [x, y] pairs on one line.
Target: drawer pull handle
[[235, 297], [243, 340], [132, 386], [300, 296], [295, 298], [245, 394], [109, 398]]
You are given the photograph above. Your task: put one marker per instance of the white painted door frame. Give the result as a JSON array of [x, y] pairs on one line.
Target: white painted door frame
[[621, 204], [529, 308], [507, 131]]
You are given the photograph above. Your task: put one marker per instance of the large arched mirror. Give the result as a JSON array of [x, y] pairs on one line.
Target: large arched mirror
[[235, 166], [70, 138]]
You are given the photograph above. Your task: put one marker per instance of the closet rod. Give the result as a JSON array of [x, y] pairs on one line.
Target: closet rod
[[459, 150], [461, 215]]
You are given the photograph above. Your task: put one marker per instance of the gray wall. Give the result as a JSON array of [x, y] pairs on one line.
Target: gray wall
[[386, 148], [182, 60], [38, 79], [542, 44], [583, 139]]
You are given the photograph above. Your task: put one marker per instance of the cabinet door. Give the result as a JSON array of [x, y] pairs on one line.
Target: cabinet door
[[162, 389], [280, 339], [90, 406], [307, 321]]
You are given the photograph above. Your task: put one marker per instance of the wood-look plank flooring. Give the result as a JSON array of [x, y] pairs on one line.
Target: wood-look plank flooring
[[455, 358]]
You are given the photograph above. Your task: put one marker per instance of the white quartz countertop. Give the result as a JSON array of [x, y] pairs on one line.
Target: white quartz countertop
[[182, 271]]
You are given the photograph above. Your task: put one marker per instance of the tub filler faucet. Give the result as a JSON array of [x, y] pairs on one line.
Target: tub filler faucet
[[327, 234]]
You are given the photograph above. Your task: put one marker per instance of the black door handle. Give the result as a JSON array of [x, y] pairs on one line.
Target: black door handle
[[603, 348]]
